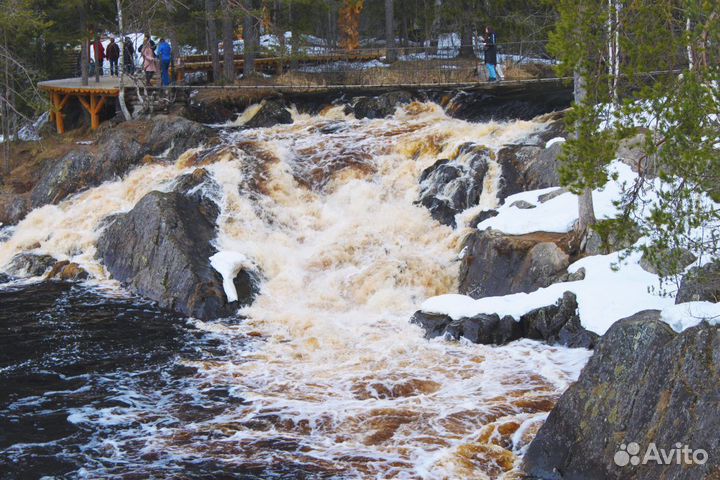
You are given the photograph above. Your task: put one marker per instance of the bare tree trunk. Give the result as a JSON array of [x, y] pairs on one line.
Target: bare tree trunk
[[466, 40], [210, 7], [121, 64], [586, 211], [84, 62], [249, 41], [391, 53], [228, 48]]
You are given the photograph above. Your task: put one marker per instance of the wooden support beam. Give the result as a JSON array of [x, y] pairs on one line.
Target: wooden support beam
[[58, 104]]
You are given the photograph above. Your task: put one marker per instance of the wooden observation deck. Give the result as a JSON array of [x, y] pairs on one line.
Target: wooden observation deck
[[92, 97]]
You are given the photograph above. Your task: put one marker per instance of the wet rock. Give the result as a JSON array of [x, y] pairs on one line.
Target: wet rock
[[508, 103], [500, 264], [272, 112], [161, 250], [647, 384], [211, 107], [68, 271], [522, 204], [30, 265], [449, 187], [13, 207], [118, 150], [700, 284], [669, 262], [481, 217], [380, 106], [553, 324], [558, 324]]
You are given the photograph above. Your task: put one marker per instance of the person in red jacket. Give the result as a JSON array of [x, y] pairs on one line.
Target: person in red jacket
[[112, 52], [99, 51]]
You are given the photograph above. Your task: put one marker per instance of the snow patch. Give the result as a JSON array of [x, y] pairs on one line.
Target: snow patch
[[228, 264], [686, 315], [606, 295]]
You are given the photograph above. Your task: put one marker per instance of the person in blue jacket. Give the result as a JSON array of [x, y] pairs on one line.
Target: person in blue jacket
[[164, 53], [490, 41]]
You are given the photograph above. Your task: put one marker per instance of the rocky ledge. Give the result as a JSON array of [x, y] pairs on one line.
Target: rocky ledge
[[554, 324], [645, 387], [161, 250]]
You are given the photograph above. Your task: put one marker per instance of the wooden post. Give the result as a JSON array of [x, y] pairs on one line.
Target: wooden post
[[59, 103]]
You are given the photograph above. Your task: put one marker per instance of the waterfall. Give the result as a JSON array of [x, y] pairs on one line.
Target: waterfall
[[330, 372]]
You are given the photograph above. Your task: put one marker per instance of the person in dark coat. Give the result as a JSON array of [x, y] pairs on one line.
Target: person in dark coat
[[128, 56], [112, 52], [490, 41]]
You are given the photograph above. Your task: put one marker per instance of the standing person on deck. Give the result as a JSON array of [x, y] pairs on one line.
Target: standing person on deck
[[128, 56], [490, 41], [148, 40], [99, 52], [112, 52], [164, 53], [149, 61]]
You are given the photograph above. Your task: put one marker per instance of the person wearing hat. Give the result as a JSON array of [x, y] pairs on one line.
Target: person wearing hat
[[112, 53]]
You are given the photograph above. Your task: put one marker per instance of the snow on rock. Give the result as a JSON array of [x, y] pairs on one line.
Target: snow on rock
[[689, 314], [604, 296], [559, 214], [228, 264]]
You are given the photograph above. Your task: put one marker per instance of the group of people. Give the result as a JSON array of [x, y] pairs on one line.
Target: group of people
[[155, 57]]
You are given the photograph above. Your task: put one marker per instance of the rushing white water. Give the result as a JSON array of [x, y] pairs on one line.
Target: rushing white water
[[332, 373]]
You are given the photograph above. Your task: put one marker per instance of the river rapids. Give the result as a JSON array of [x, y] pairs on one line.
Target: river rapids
[[322, 376]]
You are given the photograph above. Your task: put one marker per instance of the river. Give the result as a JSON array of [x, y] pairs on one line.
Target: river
[[322, 376]]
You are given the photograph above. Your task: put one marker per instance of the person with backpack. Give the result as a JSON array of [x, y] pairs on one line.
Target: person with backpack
[[164, 53], [112, 52], [490, 40]]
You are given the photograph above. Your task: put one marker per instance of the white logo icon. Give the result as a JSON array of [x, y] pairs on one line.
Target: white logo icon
[[681, 455]]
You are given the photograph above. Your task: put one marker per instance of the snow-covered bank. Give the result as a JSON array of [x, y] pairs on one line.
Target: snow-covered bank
[[604, 296]]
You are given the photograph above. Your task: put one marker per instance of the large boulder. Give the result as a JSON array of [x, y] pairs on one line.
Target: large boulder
[[700, 284], [646, 387], [528, 167], [554, 324], [271, 112], [117, 151], [161, 250], [449, 187], [380, 106], [498, 264]]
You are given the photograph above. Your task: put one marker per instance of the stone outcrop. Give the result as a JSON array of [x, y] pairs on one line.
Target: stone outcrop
[[380, 106], [161, 250], [509, 103], [271, 112], [30, 265], [700, 284], [498, 264], [117, 151], [449, 187], [68, 271], [528, 167], [554, 324], [644, 384]]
